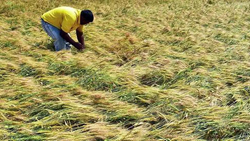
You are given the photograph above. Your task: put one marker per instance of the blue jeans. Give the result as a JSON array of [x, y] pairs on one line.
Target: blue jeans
[[54, 33]]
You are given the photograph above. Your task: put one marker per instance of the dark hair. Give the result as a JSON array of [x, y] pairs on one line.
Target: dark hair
[[88, 15]]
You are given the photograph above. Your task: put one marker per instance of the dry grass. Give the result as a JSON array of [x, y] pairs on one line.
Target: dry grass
[[152, 70]]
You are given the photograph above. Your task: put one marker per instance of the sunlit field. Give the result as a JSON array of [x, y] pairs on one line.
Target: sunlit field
[[152, 70]]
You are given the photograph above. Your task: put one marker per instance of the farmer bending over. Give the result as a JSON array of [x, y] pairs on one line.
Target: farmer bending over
[[59, 22]]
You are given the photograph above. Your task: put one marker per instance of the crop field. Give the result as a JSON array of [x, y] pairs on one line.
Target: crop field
[[152, 70]]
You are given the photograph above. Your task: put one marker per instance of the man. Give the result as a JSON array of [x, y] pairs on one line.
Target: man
[[59, 22]]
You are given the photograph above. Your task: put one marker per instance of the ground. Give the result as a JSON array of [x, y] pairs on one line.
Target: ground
[[152, 70]]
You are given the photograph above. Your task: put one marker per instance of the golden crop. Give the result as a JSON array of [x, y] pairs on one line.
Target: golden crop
[[153, 70]]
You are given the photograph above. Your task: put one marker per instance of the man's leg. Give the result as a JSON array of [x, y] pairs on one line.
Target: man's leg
[[54, 33], [68, 46]]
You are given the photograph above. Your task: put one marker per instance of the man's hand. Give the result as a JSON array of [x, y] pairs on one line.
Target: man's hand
[[79, 46], [80, 38], [65, 36]]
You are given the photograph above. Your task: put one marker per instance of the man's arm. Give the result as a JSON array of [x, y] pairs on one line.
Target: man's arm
[[80, 37], [70, 40]]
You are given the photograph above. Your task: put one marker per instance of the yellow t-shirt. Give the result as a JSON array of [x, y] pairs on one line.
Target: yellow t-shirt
[[65, 18]]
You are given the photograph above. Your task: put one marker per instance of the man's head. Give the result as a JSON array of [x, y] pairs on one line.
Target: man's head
[[86, 17]]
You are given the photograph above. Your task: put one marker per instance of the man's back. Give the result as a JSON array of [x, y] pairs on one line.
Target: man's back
[[65, 18]]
